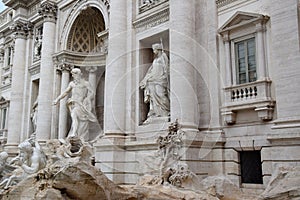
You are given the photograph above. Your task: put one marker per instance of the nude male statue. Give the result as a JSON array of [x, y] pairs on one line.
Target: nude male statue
[[79, 104]]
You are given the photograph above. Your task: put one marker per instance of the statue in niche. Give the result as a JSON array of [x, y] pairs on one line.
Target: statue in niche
[[156, 85], [79, 104], [33, 115], [37, 47]]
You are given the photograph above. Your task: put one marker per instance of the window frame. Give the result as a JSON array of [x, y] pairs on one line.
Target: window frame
[[235, 65]]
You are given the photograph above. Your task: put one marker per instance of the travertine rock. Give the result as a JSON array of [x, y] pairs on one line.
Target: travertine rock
[[284, 184], [62, 180], [224, 189], [160, 192]]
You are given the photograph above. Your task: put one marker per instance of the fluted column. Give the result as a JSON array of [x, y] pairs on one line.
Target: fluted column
[[17, 86], [184, 105], [48, 11], [115, 85], [63, 110]]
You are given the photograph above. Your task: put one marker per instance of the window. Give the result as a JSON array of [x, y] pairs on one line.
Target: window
[[246, 61], [243, 53], [3, 118], [9, 56], [251, 168]]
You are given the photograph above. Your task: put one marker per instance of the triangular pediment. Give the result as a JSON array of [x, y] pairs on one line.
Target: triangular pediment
[[241, 19]]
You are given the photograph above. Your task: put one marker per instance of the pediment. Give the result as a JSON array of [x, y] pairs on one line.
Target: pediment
[[2, 99], [240, 19]]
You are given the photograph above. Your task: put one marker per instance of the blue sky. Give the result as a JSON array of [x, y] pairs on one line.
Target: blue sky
[[1, 6]]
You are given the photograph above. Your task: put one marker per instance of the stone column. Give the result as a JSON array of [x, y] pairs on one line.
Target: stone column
[[21, 29], [115, 85], [184, 104], [92, 77], [63, 110], [48, 11], [260, 29]]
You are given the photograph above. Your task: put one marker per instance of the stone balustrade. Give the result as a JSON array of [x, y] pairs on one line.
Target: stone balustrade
[[247, 93], [255, 95]]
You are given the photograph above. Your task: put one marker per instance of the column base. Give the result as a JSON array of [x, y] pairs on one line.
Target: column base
[[12, 149], [114, 134]]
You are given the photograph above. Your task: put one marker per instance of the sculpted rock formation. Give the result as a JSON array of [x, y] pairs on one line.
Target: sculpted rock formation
[[284, 184], [69, 174]]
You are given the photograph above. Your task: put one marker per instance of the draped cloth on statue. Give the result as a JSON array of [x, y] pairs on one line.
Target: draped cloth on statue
[[82, 112]]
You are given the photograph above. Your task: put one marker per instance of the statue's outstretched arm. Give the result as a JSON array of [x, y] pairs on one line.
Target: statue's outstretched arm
[[63, 94]]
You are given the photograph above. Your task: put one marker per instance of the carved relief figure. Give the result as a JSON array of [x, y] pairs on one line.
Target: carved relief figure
[[155, 85], [80, 105]]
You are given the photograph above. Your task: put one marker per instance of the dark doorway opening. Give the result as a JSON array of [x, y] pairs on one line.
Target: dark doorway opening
[[251, 168]]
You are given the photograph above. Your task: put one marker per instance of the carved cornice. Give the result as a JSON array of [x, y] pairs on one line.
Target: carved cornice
[[152, 20], [48, 10], [79, 58], [145, 5], [22, 29]]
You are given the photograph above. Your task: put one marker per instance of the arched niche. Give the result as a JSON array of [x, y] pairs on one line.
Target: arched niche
[[83, 33]]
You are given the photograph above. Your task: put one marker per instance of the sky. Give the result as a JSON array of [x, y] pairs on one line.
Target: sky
[[2, 7]]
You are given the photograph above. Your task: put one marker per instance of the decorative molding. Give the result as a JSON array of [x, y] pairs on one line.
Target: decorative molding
[[145, 5], [34, 69], [221, 3], [242, 19], [152, 20], [80, 59]]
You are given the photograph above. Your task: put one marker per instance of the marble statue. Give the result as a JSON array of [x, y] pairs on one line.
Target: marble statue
[[33, 115], [155, 85], [30, 160], [37, 47], [79, 104], [5, 167]]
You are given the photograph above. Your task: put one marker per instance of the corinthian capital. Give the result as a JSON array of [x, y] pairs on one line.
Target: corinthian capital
[[48, 10], [21, 28]]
